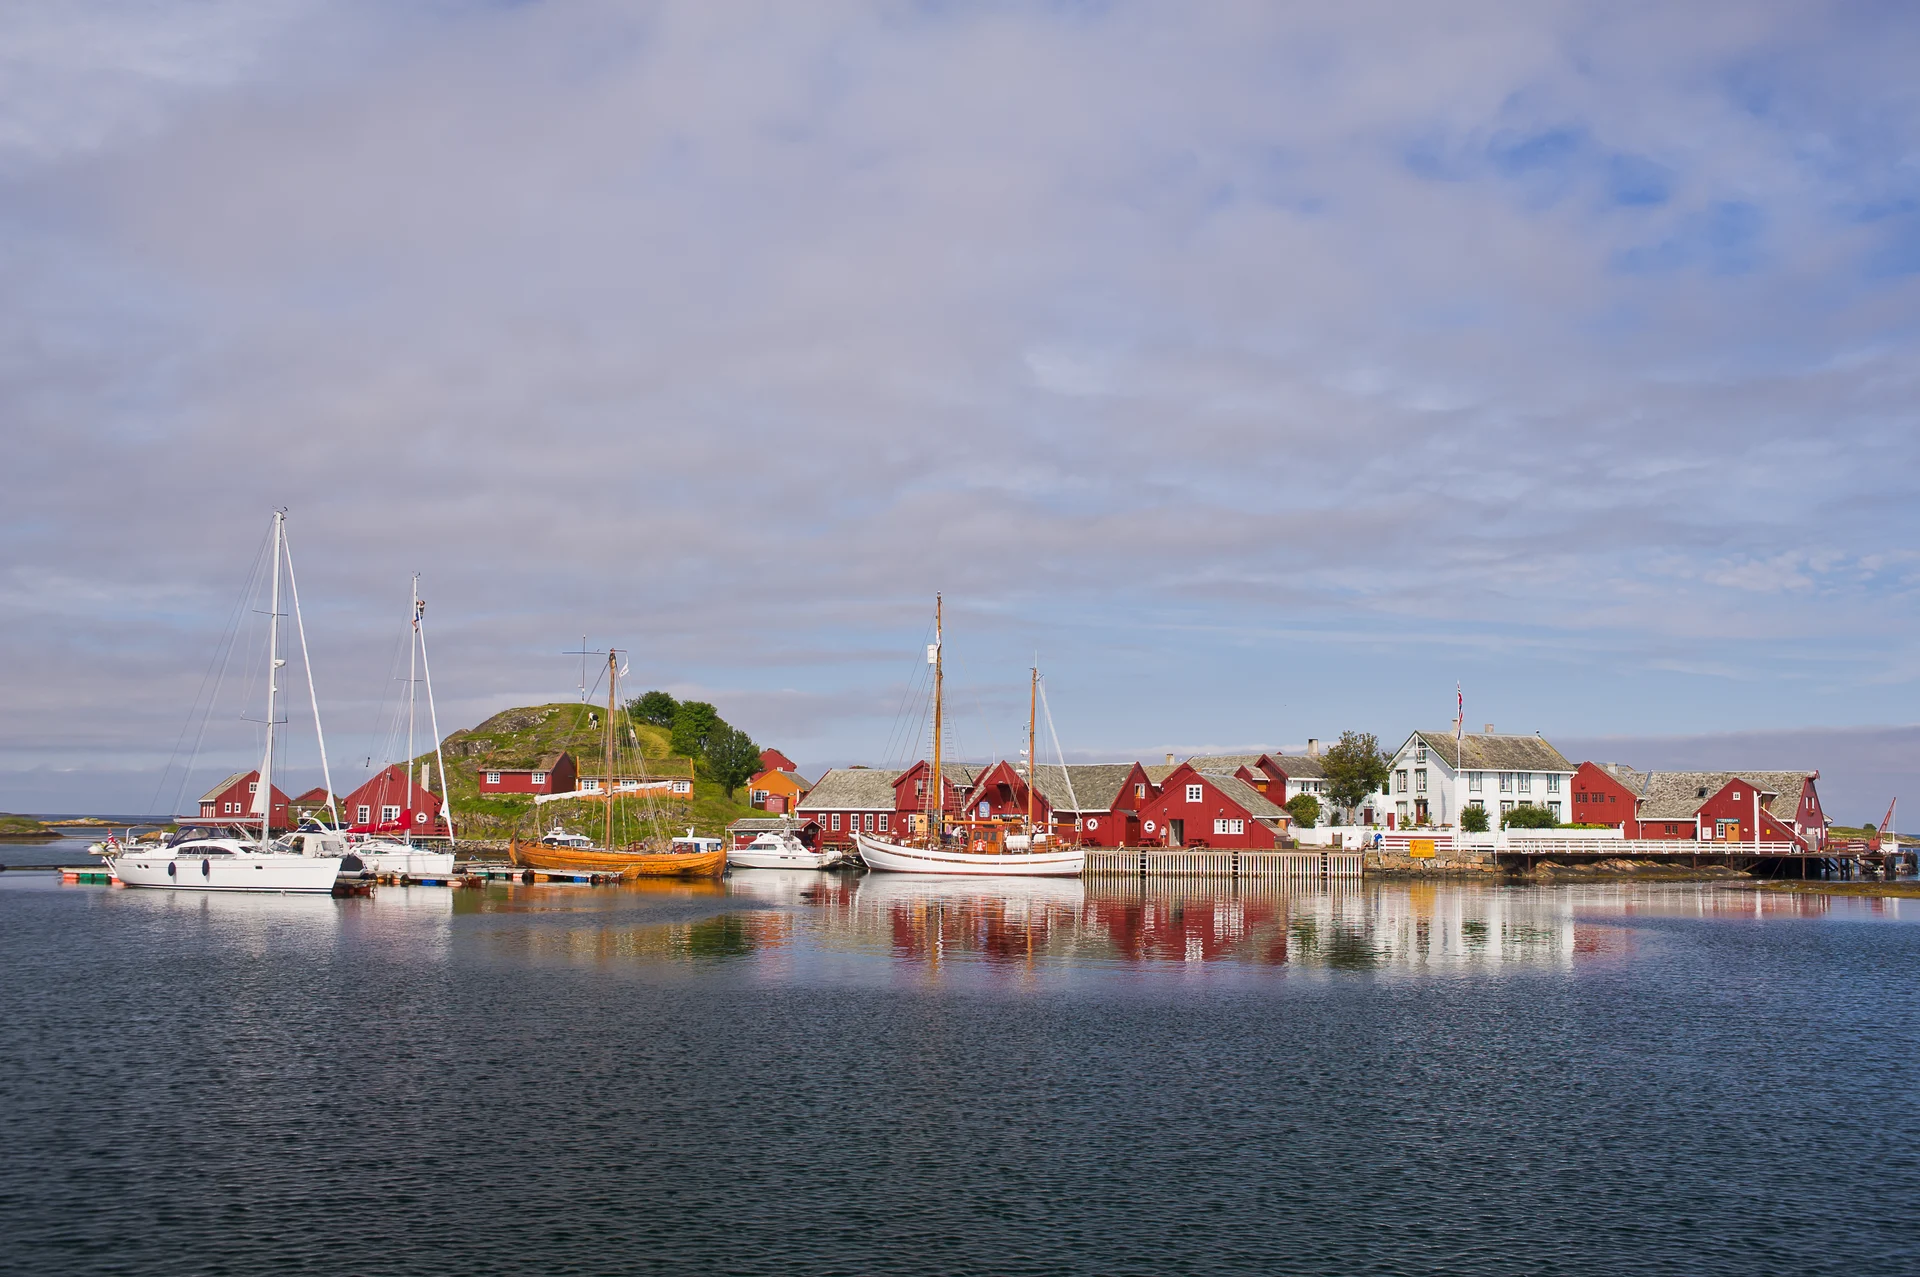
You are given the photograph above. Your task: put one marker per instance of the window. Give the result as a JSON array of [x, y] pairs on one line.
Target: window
[[539, 778], [253, 787], [1403, 814], [493, 778], [869, 822], [1555, 809], [1526, 782], [1505, 807], [756, 796], [1475, 802], [1473, 782], [835, 821], [1400, 781], [1139, 791], [1223, 825], [590, 786], [1553, 783], [1506, 785], [883, 822], [1579, 798], [1195, 794], [1420, 781], [683, 787], [389, 814], [1420, 754], [365, 814], [919, 789], [1736, 795], [986, 809]]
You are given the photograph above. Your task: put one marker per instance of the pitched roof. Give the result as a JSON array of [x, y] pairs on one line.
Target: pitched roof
[[1480, 752], [1678, 795], [766, 824], [1636, 781], [213, 795], [1095, 785], [1300, 766], [852, 789], [1225, 762], [545, 763], [1257, 804], [1158, 773]]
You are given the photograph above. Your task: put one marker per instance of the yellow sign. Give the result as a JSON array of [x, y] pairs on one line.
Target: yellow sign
[[1420, 848]]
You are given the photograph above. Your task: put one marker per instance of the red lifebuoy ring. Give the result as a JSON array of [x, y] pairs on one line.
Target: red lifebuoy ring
[[1149, 826], [980, 845]]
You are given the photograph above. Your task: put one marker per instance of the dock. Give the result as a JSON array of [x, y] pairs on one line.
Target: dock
[[1293, 866]]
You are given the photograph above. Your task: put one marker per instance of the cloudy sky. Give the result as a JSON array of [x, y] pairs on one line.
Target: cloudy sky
[[1265, 368]]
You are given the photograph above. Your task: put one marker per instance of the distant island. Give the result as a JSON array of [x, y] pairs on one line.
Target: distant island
[[17, 828]]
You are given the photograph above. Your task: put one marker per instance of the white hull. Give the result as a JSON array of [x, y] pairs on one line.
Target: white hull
[[892, 858], [759, 858], [411, 861], [263, 872]]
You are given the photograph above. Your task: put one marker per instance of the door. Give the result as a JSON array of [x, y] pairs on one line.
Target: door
[[1176, 833]]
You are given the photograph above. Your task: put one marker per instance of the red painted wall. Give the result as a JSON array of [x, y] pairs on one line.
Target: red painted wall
[[1597, 798], [388, 788], [1734, 801], [235, 803], [561, 780], [1198, 818]]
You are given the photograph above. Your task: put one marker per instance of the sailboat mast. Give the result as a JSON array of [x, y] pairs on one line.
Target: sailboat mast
[[413, 694], [264, 795], [613, 674], [1033, 711], [433, 715], [938, 826]]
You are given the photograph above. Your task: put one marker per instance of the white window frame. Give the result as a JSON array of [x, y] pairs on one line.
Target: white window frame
[[389, 813], [1139, 789], [1196, 793], [883, 822], [1475, 781], [1525, 781], [493, 778], [1420, 754], [834, 820], [1506, 784], [253, 787], [1400, 781], [1420, 781], [1555, 809], [869, 822], [1553, 782], [683, 787], [539, 778], [366, 815], [1229, 825]]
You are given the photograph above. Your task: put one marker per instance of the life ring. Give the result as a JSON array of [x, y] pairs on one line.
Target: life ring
[[980, 846], [419, 817], [1093, 822], [1148, 826]]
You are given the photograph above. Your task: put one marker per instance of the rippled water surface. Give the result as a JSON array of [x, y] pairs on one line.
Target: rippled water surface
[[818, 1073]]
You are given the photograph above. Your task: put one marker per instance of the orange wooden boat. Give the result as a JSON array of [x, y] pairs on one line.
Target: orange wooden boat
[[627, 864]]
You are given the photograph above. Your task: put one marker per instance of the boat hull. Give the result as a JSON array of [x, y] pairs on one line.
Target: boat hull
[[624, 864], [282, 874], [889, 857], [412, 862], [749, 858]]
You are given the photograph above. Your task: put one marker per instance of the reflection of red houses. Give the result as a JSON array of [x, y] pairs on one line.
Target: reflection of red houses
[[1212, 809], [232, 800], [383, 805], [1193, 928]]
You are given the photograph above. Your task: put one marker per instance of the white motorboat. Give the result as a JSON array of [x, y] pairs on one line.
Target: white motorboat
[[558, 836], [385, 858], [781, 850], [225, 864], [888, 857]]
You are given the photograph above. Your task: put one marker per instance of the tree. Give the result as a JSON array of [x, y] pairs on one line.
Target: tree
[[1474, 819], [1528, 816], [731, 757], [657, 708], [1355, 767], [1305, 809], [694, 723]]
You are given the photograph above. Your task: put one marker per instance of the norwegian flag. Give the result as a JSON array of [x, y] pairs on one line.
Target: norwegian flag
[[1459, 715]]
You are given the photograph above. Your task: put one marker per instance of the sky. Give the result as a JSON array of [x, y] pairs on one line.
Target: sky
[[1260, 371]]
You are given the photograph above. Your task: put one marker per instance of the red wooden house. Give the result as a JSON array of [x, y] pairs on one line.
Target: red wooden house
[[1212, 809], [884, 803], [1101, 800], [232, 801], [1708, 806], [1609, 794], [1259, 770], [551, 774], [383, 804], [772, 760]]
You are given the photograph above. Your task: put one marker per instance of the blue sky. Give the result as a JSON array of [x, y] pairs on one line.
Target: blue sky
[[1264, 369]]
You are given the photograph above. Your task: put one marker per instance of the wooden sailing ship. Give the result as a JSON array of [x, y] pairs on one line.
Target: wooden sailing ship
[[691, 858]]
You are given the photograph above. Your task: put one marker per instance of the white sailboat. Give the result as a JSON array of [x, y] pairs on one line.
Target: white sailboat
[[933, 853], [389, 856], [237, 864]]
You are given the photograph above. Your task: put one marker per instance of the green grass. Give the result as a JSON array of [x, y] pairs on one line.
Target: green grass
[[520, 737], [12, 826]]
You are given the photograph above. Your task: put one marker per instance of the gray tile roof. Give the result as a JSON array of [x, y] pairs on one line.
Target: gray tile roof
[[1225, 762], [1678, 796], [1636, 781], [1300, 766], [765, 824], [1095, 785], [1479, 752], [852, 789], [213, 794], [1158, 773], [1257, 804]]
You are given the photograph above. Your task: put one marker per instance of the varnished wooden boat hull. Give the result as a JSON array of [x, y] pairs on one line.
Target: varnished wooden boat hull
[[627, 864]]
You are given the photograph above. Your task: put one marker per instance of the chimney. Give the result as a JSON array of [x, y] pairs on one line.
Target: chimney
[[1313, 747], [1169, 760], [1489, 729]]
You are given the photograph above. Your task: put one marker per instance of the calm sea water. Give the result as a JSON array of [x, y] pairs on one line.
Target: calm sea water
[[808, 1073]]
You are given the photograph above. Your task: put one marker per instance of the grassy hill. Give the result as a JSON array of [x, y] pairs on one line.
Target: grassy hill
[[520, 737], [17, 827]]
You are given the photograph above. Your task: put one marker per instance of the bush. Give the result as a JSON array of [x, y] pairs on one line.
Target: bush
[[1528, 816], [1474, 819], [1305, 810]]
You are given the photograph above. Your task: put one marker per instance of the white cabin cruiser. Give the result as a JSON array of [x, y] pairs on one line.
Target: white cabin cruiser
[[559, 836], [385, 858], [781, 850], [225, 864]]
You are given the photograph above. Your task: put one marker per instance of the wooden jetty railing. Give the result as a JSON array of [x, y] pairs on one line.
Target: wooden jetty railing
[[1211, 863]]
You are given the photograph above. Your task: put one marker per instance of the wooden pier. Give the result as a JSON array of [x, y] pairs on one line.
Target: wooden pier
[[1291, 866]]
